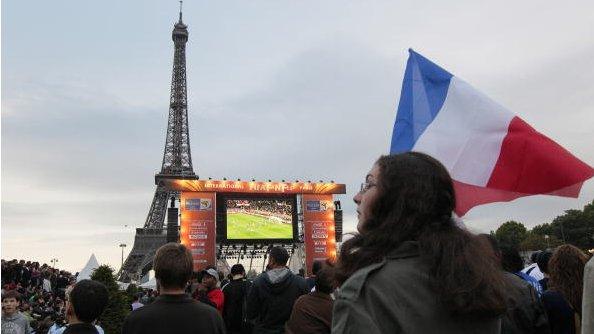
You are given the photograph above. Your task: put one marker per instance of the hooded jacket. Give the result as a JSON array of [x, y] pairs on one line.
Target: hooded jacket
[[271, 298], [15, 324]]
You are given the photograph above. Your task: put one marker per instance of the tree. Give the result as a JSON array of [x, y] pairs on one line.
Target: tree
[[511, 234], [576, 227], [543, 229], [117, 308], [535, 241]]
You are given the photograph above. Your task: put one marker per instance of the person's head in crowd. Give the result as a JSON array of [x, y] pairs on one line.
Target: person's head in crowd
[[511, 261], [301, 272], [44, 325], [534, 256], [58, 303], [410, 197], [237, 271], [543, 261], [324, 279], [10, 302], [278, 257], [210, 278], [566, 274], [59, 318], [173, 266], [316, 266], [86, 301]]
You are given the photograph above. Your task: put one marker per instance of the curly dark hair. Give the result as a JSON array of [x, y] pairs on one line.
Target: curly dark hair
[[415, 202], [566, 274]]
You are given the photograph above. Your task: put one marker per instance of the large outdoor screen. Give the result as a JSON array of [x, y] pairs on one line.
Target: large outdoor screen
[[253, 219]]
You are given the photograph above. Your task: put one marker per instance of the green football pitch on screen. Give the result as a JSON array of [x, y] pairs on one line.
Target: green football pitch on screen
[[248, 226]]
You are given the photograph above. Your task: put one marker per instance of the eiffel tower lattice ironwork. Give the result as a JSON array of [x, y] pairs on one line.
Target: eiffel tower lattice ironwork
[[177, 162]]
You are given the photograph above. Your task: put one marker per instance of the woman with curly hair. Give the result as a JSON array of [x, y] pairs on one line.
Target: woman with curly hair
[[411, 269], [563, 300]]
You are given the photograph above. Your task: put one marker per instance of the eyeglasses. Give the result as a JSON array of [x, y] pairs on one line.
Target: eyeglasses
[[366, 186]]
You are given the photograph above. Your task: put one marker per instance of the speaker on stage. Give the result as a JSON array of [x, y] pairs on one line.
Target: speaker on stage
[[221, 230], [338, 225], [172, 226]]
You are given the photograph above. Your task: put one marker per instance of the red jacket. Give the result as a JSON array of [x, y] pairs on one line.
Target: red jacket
[[218, 298]]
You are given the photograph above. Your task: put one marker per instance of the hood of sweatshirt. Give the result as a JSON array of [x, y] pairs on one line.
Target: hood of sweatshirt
[[278, 279]]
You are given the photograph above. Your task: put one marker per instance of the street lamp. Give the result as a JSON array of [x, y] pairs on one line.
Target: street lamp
[[54, 261], [122, 246]]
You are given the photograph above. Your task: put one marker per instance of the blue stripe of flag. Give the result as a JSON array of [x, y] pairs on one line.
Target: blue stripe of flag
[[424, 89]]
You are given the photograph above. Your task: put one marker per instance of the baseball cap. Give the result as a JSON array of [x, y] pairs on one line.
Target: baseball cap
[[212, 272]]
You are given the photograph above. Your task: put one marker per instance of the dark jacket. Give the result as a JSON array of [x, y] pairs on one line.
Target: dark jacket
[[396, 296], [561, 315], [312, 314], [234, 315], [525, 312], [174, 314], [271, 298]]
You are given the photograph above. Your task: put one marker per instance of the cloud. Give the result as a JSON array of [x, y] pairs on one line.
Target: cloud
[[76, 137]]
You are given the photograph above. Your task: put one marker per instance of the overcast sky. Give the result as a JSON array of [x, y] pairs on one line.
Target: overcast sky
[[277, 90]]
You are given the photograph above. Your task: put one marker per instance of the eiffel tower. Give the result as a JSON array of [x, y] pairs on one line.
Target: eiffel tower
[[177, 162]]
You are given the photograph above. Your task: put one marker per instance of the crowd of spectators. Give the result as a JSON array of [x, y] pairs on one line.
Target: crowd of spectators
[[544, 305], [41, 290]]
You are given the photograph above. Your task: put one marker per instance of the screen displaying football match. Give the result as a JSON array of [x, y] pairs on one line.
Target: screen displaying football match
[[259, 218]]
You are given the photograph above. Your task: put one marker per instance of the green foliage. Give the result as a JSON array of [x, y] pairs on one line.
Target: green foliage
[[131, 293], [117, 309], [574, 227], [511, 234], [132, 290]]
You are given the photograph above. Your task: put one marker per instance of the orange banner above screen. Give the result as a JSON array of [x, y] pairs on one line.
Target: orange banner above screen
[[257, 187]]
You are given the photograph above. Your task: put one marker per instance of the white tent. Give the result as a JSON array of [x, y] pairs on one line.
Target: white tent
[[151, 284], [88, 269], [123, 286]]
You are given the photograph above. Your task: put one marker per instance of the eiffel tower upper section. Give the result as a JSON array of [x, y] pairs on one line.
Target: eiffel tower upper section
[[177, 163], [177, 157]]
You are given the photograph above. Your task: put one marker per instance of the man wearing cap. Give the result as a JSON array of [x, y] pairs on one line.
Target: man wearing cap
[[208, 292]]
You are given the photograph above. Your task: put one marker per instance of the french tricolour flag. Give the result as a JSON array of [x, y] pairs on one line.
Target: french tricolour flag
[[492, 154]]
